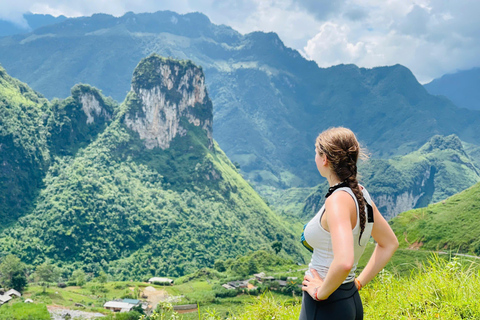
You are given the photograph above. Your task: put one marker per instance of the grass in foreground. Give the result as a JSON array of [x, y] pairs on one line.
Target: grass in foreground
[[24, 311], [440, 289]]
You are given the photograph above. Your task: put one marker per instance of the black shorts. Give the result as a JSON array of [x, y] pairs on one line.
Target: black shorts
[[343, 304]]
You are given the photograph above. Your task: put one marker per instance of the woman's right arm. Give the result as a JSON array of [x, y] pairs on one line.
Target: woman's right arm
[[387, 244]]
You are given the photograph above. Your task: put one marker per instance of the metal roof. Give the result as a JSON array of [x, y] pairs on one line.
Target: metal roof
[[131, 301], [158, 279], [118, 305], [13, 291]]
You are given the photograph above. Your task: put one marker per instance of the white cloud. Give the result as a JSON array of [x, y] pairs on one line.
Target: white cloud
[[332, 46], [429, 37]]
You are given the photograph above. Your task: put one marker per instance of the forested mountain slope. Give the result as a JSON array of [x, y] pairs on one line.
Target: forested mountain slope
[[24, 152], [149, 194], [270, 102]]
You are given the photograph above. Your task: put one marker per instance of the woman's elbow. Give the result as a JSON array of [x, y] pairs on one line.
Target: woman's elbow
[[346, 265], [393, 244]]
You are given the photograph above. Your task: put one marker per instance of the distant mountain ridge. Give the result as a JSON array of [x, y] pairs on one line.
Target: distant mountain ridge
[[270, 103], [461, 87], [137, 189], [33, 21]]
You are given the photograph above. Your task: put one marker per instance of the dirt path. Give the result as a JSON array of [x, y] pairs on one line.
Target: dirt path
[[155, 296], [59, 313]]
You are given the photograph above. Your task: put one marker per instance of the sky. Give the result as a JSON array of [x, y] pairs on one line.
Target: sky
[[430, 37]]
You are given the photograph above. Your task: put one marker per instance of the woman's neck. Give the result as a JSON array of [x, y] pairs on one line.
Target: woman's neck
[[333, 179]]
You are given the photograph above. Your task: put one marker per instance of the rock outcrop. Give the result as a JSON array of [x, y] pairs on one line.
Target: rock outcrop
[[167, 96]]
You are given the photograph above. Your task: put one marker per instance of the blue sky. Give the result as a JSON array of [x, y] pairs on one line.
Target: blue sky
[[431, 37]]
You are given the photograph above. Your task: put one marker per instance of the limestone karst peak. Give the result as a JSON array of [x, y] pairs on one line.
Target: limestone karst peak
[[166, 97]]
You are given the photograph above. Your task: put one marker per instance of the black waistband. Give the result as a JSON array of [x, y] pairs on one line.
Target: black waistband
[[345, 291]]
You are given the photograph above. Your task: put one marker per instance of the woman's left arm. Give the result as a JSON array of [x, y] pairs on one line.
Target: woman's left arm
[[339, 207]]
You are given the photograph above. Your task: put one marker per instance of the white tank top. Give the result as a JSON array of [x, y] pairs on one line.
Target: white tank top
[[321, 242]]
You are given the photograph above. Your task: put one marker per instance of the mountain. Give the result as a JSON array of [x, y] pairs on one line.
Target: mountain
[[461, 87], [141, 189], [270, 102], [24, 152], [439, 169], [451, 224], [32, 22]]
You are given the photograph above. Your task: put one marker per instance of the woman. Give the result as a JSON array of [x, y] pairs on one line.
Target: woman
[[339, 233]]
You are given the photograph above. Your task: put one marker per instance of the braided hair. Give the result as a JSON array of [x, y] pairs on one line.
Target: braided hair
[[342, 150]]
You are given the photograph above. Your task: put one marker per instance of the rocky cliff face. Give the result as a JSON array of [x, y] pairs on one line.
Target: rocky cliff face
[[168, 95], [93, 109], [77, 120]]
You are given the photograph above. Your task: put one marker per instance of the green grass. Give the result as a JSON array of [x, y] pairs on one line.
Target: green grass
[[438, 289], [414, 285], [24, 311]]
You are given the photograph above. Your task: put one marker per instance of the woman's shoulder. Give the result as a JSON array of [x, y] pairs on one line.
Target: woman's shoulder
[[341, 197]]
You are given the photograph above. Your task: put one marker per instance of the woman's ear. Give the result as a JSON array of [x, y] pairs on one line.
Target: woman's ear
[[325, 160]]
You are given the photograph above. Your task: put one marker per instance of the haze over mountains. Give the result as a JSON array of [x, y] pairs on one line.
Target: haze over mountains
[[270, 102], [31, 22]]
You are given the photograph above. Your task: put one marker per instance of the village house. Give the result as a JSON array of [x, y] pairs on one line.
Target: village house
[[4, 299], [156, 280], [7, 296], [239, 284], [124, 305], [261, 277]]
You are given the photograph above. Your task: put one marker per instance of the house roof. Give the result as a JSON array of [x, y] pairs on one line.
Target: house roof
[[118, 305], [13, 291], [158, 279], [227, 286], [131, 301], [5, 298]]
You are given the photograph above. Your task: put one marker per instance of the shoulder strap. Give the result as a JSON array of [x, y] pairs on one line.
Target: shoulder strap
[[369, 210]]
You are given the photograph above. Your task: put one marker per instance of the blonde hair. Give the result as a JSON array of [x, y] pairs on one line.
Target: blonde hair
[[343, 151]]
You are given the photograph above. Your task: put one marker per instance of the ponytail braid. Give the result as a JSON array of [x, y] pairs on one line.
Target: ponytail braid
[[343, 150], [353, 184]]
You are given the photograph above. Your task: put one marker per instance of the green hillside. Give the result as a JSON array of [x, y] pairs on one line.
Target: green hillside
[[439, 169], [270, 102], [117, 204], [451, 224], [24, 153]]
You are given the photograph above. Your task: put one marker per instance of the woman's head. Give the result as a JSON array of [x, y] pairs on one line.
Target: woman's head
[[342, 150]]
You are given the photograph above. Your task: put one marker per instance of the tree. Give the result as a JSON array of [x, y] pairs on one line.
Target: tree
[[219, 265], [79, 277], [12, 273], [102, 277], [46, 274], [277, 246]]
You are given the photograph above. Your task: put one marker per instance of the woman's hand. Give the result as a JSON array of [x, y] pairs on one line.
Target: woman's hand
[[312, 284]]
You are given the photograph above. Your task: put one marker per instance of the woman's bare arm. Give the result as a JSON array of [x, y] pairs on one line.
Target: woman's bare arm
[[339, 207], [387, 244]]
